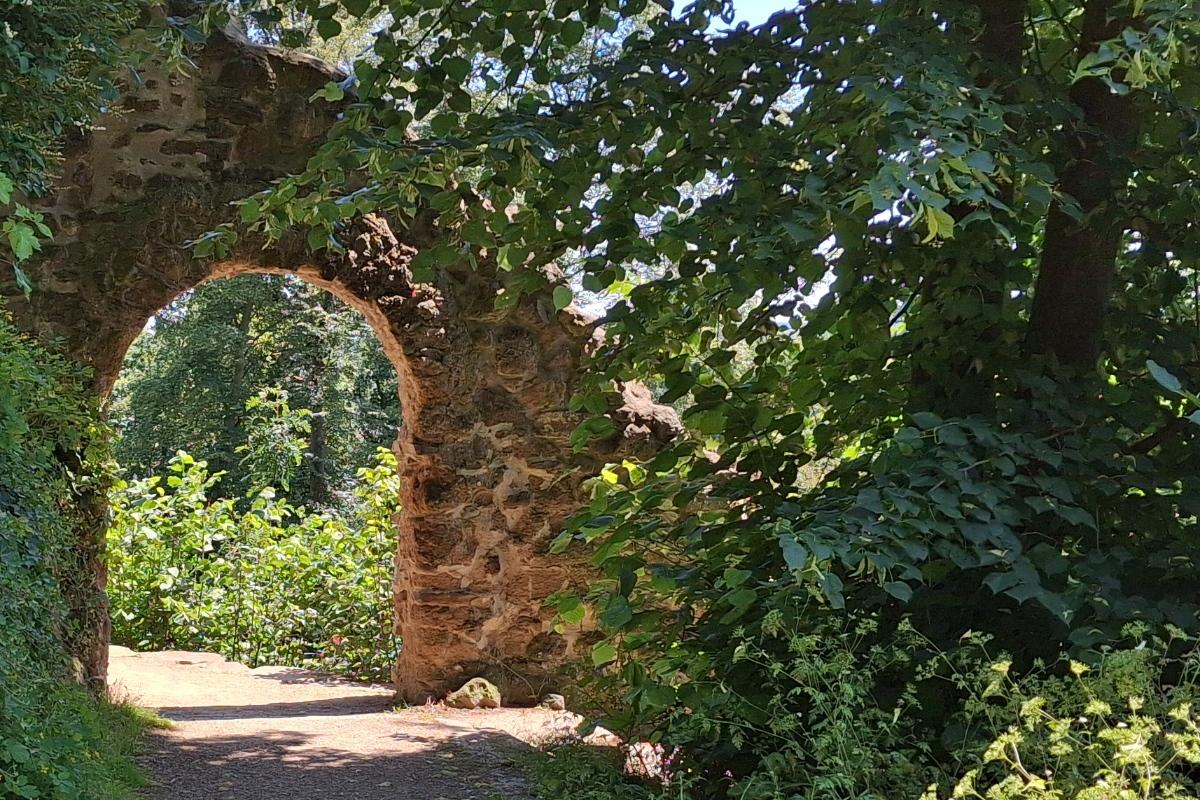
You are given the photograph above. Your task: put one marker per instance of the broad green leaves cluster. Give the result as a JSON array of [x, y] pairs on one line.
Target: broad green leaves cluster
[[873, 727], [273, 584], [21, 232]]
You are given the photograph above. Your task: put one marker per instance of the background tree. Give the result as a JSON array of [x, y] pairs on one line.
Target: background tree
[[189, 378]]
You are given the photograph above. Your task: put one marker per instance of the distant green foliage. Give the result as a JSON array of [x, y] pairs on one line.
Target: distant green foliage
[[276, 441], [273, 584], [188, 383], [56, 742]]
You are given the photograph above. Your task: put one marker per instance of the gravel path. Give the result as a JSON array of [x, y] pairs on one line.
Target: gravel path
[[284, 734]]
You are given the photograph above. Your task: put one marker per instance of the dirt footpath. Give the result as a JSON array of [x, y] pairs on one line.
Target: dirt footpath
[[272, 732]]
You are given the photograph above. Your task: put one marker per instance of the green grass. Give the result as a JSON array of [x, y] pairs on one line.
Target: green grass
[[117, 775]]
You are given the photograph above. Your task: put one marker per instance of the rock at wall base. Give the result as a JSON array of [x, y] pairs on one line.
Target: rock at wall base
[[475, 693]]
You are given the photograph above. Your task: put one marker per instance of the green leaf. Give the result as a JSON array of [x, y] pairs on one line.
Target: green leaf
[[939, 224], [899, 590], [21, 239], [457, 68], [329, 28], [1165, 379], [572, 32], [925, 420], [742, 598], [603, 653], [572, 610], [832, 586], [562, 297], [250, 210], [330, 92], [318, 239], [736, 577], [795, 555], [22, 279], [982, 161], [618, 613], [443, 124]]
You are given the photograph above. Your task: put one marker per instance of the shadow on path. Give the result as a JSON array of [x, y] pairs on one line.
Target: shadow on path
[[294, 765], [326, 707], [288, 734]]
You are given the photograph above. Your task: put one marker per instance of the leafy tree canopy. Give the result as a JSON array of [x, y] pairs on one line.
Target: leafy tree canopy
[[223, 372], [929, 246]]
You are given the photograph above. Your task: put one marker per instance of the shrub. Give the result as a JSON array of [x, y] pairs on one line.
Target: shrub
[[582, 772], [272, 584]]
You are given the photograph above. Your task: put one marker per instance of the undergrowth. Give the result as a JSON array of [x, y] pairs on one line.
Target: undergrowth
[[856, 719], [57, 742], [267, 583], [582, 772]]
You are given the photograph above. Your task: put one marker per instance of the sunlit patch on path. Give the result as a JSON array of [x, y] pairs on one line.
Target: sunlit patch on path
[[243, 734]]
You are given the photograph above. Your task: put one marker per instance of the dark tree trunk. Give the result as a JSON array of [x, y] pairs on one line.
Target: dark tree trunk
[[1079, 255], [318, 450], [236, 423]]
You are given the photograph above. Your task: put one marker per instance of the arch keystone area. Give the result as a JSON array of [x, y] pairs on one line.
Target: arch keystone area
[[488, 472]]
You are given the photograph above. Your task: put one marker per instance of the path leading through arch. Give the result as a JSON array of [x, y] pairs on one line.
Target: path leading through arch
[[273, 732]]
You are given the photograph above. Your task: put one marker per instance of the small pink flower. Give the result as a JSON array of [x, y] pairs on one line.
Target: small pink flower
[[338, 640]]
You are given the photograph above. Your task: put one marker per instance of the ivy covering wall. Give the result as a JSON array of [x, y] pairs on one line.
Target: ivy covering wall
[[56, 740]]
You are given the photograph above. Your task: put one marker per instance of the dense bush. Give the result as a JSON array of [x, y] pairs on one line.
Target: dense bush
[[848, 719], [56, 741], [271, 584]]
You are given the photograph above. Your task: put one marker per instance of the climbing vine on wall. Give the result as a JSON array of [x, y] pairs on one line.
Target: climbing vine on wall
[[56, 741]]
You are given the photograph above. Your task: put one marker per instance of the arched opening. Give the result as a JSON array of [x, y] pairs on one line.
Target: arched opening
[[257, 417], [488, 470]]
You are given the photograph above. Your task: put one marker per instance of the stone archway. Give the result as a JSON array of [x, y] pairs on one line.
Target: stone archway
[[488, 471]]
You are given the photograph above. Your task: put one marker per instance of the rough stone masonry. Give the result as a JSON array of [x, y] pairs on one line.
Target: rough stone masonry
[[488, 473]]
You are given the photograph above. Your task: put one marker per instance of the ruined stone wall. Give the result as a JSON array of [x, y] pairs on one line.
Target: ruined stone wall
[[488, 473]]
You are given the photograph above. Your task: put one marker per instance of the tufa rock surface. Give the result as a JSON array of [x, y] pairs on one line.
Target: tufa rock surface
[[554, 702]]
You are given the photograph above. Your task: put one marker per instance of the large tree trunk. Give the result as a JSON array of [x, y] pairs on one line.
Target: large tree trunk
[[1079, 256]]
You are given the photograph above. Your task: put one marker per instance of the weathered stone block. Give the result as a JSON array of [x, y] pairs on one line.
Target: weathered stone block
[[475, 693]]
